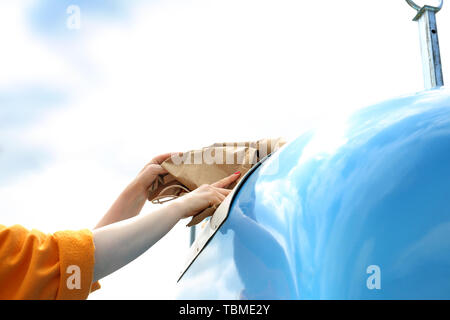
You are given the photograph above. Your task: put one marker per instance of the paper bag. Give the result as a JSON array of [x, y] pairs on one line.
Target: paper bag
[[191, 169]]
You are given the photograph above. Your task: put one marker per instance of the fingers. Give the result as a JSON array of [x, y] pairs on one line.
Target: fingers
[[227, 181], [162, 157], [215, 195], [201, 198], [220, 196], [157, 169], [223, 191], [219, 199], [215, 202]]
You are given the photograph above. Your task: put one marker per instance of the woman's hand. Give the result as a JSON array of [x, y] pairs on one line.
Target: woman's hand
[[132, 199], [205, 196], [151, 170]]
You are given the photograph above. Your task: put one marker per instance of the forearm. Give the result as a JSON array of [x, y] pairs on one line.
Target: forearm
[[120, 243], [127, 205]]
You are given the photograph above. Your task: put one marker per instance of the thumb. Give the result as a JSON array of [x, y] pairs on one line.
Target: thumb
[[157, 169]]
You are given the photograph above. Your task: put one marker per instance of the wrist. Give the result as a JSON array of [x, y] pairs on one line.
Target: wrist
[[178, 207], [137, 188]]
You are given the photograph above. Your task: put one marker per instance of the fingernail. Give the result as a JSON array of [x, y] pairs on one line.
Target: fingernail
[[237, 172]]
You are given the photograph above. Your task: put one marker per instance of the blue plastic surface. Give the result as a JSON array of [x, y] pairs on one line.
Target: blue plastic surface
[[358, 210]]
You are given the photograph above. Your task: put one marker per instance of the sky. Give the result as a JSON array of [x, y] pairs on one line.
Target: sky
[[83, 109]]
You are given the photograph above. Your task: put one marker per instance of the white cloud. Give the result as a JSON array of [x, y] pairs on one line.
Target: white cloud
[[24, 57]]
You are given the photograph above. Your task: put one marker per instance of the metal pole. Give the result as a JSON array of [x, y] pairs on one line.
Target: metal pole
[[192, 238], [429, 44]]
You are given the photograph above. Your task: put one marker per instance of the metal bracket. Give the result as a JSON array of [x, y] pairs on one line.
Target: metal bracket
[[429, 43], [418, 8]]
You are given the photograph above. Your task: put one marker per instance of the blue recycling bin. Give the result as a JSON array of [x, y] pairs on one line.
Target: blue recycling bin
[[357, 210]]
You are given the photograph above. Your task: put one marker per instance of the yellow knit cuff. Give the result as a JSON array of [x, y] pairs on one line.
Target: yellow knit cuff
[[76, 257]]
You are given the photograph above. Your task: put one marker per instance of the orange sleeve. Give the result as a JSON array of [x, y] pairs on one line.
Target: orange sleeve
[[34, 265]]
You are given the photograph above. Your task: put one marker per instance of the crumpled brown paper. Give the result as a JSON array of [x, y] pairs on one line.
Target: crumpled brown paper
[[191, 169]]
